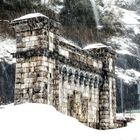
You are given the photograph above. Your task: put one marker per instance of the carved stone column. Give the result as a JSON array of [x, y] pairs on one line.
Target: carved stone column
[[107, 95]]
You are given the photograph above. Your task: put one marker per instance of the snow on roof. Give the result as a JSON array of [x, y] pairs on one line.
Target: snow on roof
[[67, 41], [95, 46], [31, 15]]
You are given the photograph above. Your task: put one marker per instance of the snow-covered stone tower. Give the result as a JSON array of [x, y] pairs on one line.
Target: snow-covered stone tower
[[51, 70]]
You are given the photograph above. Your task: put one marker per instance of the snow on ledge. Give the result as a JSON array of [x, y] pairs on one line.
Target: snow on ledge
[[95, 46], [67, 41], [31, 15]]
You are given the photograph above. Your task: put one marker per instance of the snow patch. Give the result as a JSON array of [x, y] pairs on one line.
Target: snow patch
[[53, 6], [128, 76], [130, 26], [129, 17], [123, 52], [7, 46], [95, 46], [124, 45]]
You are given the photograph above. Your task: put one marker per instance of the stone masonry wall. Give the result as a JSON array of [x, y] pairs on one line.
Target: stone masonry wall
[[76, 82]]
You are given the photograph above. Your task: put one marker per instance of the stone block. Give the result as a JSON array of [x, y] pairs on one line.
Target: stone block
[[18, 76], [23, 86], [24, 75], [105, 121], [19, 81], [26, 39], [32, 75], [104, 113], [41, 79], [45, 63], [33, 64], [18, 65], [25, 65], [17, 86], [39, 63], [31, 69], [40, 68]]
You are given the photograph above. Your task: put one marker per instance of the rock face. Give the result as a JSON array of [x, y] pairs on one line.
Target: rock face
[[77, 82], [7, 82], [7, 65]]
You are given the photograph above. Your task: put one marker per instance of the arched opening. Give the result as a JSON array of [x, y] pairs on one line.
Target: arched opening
[[86, 80], [64, 73], [81, 80], [91, 81], [76, 76], [70, 74], [96, 82]]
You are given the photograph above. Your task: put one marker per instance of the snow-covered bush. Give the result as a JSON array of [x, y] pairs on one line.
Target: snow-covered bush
[[127, 4], [110, 19]]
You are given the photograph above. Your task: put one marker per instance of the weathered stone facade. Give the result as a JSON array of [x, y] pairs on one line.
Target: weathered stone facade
[[79, 83]]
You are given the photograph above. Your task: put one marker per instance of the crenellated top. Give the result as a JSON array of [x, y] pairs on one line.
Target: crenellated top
[[34, 21]]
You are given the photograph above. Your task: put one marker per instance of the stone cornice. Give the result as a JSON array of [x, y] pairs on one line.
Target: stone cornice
[[60, 58], [34, 24]]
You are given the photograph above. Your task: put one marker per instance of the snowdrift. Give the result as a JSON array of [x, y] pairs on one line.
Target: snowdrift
[[42, 122]]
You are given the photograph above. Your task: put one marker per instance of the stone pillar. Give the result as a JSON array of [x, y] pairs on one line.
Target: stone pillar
[[114, 105], [55, 86], [33, 63], [107, 95], [104, 108], [93, 102]]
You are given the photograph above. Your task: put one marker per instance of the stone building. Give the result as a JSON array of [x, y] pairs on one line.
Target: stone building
[[50, 70]]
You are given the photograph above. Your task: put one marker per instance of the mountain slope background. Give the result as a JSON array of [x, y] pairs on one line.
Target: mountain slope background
[[120, 20]]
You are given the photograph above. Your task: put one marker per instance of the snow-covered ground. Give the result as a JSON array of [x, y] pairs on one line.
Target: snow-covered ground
[[42, 122]]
